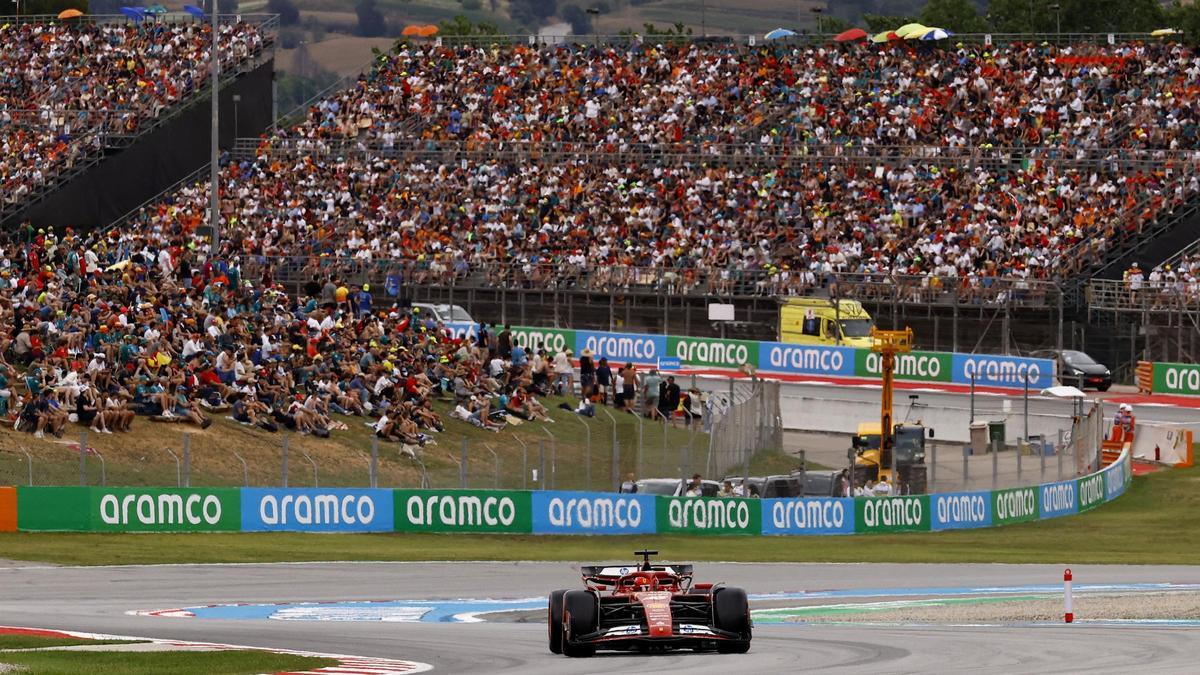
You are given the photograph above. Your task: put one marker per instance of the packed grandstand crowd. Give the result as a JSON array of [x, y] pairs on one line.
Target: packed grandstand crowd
[[63, 86], [140, 319]]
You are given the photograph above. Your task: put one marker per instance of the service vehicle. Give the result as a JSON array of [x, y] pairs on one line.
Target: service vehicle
[[770, 487], [649, 608], [823, 321], [669, 487], [443, 313], [1077, 369]]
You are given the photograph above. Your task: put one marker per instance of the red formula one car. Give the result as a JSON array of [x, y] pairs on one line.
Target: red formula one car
[[648, 608]]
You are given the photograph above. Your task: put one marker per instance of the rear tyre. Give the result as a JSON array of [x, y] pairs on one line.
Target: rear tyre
[[580, 612], [731, 612], [554, 621]]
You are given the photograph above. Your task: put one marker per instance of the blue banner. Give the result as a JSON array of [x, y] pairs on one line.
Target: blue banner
[[1058, 499], [781, 357], [622, 347], [1116, 477], [316, 510], [593, 513], [1003, 371], [808, 515], [960, 510], [463, 329]]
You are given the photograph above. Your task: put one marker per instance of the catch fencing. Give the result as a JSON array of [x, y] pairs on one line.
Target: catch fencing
[[743, 422]]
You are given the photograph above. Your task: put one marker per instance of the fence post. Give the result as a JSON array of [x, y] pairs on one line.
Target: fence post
[[524, 462], [1058, 453], [995, 461], [541, 464], [83, 458], [966, 451], [932, 466], [103, 471], [637, 467], [495, 467], [314, 467], [285, 460], [587, 453], [616, 453], [187, 460], [29, 460], [178, 468], [374, 461], [245, 469], [1020, 451], [553, 480], [462, 466], [663, 463]]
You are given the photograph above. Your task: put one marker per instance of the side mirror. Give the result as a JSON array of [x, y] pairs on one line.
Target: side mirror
[[931, 433]]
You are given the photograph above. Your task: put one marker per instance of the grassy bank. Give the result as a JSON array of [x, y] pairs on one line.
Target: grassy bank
[[1148, 525]]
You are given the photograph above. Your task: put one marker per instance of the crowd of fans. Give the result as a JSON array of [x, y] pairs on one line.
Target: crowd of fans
[[63, 86]]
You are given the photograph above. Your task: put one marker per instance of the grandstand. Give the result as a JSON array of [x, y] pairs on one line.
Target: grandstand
[[972, 190]]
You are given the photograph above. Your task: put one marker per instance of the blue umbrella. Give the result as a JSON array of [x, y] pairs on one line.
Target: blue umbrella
[[779, 33], [135, 13], [937, 34], [194, 11]]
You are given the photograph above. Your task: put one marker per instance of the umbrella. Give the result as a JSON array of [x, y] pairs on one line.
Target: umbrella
[[135, 13], [427, 31], [909, 28], [194, 11], [886, 36], [1158, 33], [156, 9], [70, 14], [852, 34], [779, 33], [411, 30], [936, 34]]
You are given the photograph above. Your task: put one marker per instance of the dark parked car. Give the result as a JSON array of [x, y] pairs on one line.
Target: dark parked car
[[1079, 370], [820, 483], [777, 486]]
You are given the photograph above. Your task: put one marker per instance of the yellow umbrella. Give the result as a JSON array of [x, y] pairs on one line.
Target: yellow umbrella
[[70, 14], [885, 36], [909, 29], [1165, 31]]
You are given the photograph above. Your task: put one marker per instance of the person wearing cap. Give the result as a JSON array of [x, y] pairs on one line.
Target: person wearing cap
[[188, 409]]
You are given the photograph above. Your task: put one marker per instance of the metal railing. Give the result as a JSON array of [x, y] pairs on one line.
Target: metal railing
[[1144, 298], [742, 423]]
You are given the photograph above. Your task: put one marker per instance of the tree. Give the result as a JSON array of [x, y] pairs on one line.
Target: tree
[[286, 9], [370, 20], [35, 7], [877, 23], [581, 23], [959, 16], [1076, 16], [532, 12], [461, 25]]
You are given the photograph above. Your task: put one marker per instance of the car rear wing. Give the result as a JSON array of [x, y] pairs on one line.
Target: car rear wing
[[609, 574]]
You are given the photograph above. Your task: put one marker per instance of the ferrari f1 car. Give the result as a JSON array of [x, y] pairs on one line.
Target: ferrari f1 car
[[648, 608]]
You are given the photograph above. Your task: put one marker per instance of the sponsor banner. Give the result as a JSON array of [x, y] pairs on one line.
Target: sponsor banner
[[1090, 490], [64, 509], [622, 347], [316, 510], [1057, 499], [709, 515], [164, 510], [8, 509], [462, 511], [557, 512], [1018, 505], [961, 510], [670, 363], [1116, 477], [713, 352], [892, 514], [1176, 378], [782, 357], [1003, 371], [810, 515], [462, 329], [552, 340], [914, 366]]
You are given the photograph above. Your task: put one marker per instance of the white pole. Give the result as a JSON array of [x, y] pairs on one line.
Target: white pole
[[1069, 614]]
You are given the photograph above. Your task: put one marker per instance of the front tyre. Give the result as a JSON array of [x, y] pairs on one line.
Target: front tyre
[[580, 615], [554, 621], [731, 612]]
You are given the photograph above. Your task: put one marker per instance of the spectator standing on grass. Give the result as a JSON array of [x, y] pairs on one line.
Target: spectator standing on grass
[[628, 387], [670, 399], [587, 374], [604, 381], [650, 393], [564, 373], [504, 342]]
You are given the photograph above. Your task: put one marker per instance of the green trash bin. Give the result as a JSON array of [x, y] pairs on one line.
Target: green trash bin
[[996, 434]]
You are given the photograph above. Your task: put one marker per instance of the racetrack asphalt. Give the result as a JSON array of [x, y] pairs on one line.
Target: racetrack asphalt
[[96, 599]]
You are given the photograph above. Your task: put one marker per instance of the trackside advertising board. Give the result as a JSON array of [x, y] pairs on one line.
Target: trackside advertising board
[[916, 366], [556, 512], [462, 511], [1176, 378], [316, 510], [95, 509], [808, 515], [793, 359], [709, 515], [712, 352], [622, 347]]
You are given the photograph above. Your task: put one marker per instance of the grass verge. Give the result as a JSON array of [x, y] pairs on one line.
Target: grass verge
[[39, 641], [1148, 525], [154, 663]]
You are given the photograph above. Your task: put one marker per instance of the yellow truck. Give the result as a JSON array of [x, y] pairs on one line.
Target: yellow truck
[[822, 321]]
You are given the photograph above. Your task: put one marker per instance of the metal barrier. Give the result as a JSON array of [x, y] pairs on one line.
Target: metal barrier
[[742, 423]]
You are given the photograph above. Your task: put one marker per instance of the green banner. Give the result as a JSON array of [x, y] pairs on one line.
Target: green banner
[[916, 366], [552, 340], [708, 515], [892, 514], [1176, 378], [165, 510], [463, 511], [53, 508], [1018, 505], [712, 352], [1091, 491]]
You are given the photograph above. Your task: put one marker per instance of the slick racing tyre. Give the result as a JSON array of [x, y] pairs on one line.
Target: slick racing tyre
[[554, 621], [580, 611], [731, 612]]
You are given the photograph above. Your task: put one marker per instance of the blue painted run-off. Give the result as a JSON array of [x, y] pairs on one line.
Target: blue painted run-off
[[467, 610]]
